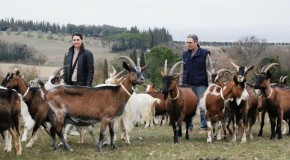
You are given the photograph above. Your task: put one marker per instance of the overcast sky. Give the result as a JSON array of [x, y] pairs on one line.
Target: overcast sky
[[211, 20]]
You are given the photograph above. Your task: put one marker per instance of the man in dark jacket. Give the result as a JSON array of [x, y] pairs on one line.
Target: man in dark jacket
[[196, 60], [80, 64]]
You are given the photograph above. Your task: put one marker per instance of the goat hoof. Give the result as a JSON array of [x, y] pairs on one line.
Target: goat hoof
[[114, 146]]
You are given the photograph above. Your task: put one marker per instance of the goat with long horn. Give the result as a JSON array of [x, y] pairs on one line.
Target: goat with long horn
[[181, 102]]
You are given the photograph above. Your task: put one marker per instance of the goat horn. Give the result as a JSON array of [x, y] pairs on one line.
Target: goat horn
[[132, 63], [115, 76], [263, 68], [174, 66], [284, 78], [56, 72], [208, 72], [236, 66], [138, 61], [280, 79], [270, 66], [165, 67], [222, 71], [114, 71]]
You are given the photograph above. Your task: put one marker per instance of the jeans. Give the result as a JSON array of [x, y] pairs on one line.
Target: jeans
[[199, 90]]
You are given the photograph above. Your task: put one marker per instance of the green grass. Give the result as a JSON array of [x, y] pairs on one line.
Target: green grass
[[157, 143]]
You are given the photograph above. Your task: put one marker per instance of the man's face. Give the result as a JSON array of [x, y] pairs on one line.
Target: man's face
[[76, 40], [191, 44]]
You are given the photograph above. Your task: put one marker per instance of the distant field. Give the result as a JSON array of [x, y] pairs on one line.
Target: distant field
[[54, 49]]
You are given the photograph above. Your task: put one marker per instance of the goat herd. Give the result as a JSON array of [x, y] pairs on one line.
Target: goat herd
[[55, 105]]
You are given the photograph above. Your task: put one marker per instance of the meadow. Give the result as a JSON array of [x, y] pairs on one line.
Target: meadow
[[55, 50], [150, 143], [157, 143]]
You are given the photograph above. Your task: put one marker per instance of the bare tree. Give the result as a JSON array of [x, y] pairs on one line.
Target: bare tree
[[247, 49]]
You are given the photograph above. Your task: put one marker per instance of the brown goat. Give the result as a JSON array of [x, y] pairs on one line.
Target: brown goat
[[10, 108], [277, 99], [37, 106], [85, 106], [181, 102]]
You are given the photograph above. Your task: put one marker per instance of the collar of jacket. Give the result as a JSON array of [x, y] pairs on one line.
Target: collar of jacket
[[72, 50]]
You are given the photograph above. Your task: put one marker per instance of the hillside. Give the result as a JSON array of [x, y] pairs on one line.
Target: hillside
[[54, 49]]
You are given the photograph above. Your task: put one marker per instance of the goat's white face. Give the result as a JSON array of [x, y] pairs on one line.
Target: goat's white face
[[51, 83]]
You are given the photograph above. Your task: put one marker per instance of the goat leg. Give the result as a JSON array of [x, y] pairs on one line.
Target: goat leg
[[64, 142], [175, 137], [262, 123], [111, 127], [186, 131]]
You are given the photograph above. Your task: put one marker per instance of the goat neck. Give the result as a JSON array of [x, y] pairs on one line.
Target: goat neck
[[174, 93], [128, 86], [21, 85]]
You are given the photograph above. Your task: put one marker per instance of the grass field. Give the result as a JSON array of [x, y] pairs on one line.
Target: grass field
[[157, 143]]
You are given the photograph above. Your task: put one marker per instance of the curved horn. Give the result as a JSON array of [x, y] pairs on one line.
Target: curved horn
[[114, 71], [115, 76], [208, 72], [57, 72], [165, 67], [280, 79], [222, 71], [128, 59], [236, 66], [284, 78], [270, 66], [173, 67], [138, 61], [263, 68]]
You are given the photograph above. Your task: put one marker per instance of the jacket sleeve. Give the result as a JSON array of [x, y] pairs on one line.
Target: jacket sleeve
[[184, 75], [65, 70], [90, 69], [209, 64]]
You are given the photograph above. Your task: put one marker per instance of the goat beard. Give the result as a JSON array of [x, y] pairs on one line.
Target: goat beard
[[165, 95]]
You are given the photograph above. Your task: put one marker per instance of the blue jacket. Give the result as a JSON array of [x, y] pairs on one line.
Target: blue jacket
[[85, 68], [194, 69]]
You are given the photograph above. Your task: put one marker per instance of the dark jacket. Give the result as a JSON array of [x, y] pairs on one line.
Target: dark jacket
[[194, 70], [85, 73]]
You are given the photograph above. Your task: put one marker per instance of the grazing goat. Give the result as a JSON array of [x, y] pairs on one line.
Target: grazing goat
[[10, 109], [277, 99], [86, 106], [181, 102]]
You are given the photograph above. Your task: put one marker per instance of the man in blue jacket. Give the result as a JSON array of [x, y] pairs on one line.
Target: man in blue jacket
[[197, 60]]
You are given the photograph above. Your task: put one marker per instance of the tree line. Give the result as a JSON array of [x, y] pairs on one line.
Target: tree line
[[119, 38]]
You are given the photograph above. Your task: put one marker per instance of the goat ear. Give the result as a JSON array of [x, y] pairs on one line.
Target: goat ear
[[143, 68], [125, 65], [235, 79]]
